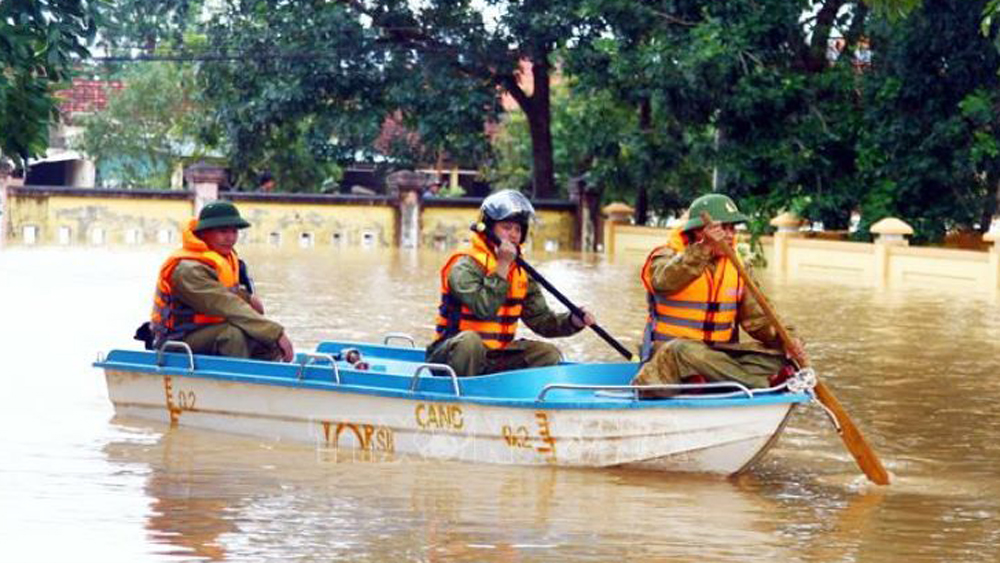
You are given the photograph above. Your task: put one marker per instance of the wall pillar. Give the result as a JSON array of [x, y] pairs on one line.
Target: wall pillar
[[889, 232], [204, 180], [587, 213], [4, 199], [993, 279], [616, 214], [408, 187], [787, 225]]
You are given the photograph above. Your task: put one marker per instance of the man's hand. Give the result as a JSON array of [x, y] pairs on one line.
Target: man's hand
[[287, 350], [257, 304], [796, 351], [715, 235], [506, 254], [587, 319]]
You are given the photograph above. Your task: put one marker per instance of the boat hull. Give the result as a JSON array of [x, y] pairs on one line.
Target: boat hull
[[695, 438]]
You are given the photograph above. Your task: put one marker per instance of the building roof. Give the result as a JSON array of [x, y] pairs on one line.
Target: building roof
[[86, 96]]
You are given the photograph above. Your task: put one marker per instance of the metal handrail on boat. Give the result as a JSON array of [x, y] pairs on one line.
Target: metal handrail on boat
[[399, 335], [174, 344], [430, 367], [307, 358], [741, 390]]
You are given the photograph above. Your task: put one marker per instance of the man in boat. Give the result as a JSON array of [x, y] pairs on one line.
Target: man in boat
[[199, 298], [698, 302], [484, 294]]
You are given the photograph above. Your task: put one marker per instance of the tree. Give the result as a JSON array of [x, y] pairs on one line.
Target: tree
[[931, 125], [349, 64], [146, 128], [40, 41]]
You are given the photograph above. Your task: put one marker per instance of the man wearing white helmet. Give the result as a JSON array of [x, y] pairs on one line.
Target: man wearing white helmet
[[484, 295]]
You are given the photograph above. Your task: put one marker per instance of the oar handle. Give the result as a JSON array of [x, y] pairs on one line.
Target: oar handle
[[855, 442], [573, 309]]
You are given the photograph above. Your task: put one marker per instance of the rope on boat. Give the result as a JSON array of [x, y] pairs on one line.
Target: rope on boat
[[804, 381]]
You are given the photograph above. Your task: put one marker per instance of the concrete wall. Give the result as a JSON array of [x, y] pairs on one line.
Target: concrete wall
[[318, 221], [880, 264], [445, 223], [72, 216], [75, 216]]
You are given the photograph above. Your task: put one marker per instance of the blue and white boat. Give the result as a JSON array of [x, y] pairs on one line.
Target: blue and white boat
[[397, 406]]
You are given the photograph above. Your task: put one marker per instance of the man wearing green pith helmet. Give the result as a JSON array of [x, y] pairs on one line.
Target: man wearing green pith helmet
[[697, 304], [200, 299]]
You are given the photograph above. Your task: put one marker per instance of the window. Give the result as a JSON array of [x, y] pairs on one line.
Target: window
[[305, 240], [337, 239], [165, 236], [133, 236], [97, 236], [367, 239], [274, 239], [30, 234], [65, 235]]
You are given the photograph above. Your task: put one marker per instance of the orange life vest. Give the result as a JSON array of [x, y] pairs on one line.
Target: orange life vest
[[453, 317], [173, 319], [703, 310]]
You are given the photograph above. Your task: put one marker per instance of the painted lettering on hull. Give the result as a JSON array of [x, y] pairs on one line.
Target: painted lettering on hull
[[439, 416], [519, 437], [366, 437], [186, 400]]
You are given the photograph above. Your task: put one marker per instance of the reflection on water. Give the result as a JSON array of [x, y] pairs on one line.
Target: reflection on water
[[917, 370]]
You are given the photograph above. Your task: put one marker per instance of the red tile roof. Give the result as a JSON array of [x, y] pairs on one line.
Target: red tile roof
[[86, 95]]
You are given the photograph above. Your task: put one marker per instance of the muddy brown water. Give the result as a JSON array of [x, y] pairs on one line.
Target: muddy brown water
[[917, 369]]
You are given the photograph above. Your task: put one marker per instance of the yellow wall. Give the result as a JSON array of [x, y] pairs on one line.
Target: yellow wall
[[354, 225], [148, 219], [116, 216], [857, 263], [445, 228]]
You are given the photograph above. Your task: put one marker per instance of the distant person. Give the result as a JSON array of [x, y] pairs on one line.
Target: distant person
[[200, 300], [266, 183], [697, 302], [484, 295]]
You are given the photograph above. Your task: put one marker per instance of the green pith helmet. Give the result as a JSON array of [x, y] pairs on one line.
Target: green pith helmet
[[220, 214], [719, 207]]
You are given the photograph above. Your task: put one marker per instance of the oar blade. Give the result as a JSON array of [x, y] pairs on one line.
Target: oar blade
[[855, 442]]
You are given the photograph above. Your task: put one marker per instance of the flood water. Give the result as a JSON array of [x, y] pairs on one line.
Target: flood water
[[918, 370]]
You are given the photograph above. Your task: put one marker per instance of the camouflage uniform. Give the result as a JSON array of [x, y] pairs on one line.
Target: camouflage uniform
[[751, 364], [245, 332], [484, 294]]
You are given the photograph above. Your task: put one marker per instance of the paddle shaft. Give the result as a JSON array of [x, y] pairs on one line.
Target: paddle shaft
[[573, 309], [855, 442]]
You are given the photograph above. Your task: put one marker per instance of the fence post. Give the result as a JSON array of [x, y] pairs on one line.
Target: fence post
[[787, 225], [617, 213], [891, 232], [4, 198], [993, 279], [408, 187], [205, 180]]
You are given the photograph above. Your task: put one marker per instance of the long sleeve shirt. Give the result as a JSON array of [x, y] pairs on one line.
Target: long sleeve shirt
[[671, 271], [198, 286], [484, 294]]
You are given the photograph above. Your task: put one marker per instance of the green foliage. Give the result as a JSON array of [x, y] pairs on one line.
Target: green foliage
[[147, 127], [40, 41], [931, 128]]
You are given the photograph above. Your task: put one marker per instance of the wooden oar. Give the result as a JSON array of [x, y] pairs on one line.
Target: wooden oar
[[863, 454], [573, 309]]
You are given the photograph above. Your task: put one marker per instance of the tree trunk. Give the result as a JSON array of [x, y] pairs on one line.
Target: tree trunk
[[642, 195], [539, 114]]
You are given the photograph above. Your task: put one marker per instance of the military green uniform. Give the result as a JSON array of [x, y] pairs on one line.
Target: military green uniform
[[245, 333], [483, 295], [751, 363]]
